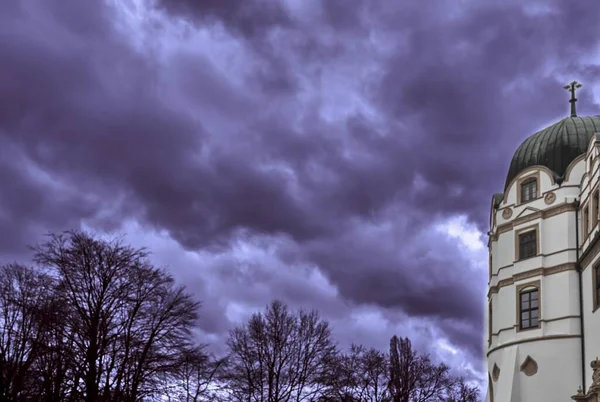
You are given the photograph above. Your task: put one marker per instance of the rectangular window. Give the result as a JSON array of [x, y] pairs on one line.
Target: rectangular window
[[490, 324], [529, 309], [528, 244], [529, 190], [597, 295], [585, 219], [594, 210]]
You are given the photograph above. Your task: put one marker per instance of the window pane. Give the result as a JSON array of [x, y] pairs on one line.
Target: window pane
[[529, 190], [527, 244], [534, 322], [534, 303], [534, 314], [525, 315], [534, 295], [525, 305]]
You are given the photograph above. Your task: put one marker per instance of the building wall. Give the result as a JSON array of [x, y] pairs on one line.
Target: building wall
[[556, 345], [559, 367]]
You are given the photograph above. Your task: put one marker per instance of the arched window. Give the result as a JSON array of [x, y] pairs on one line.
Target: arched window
[[529, 190], [529, 308]]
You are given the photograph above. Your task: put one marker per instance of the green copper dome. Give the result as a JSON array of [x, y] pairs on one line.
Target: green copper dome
[[554, 147]]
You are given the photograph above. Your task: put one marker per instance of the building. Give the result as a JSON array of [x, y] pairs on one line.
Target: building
[[543, 327]]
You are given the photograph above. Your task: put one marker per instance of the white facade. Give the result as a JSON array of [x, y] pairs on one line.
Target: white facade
[[543, 359]]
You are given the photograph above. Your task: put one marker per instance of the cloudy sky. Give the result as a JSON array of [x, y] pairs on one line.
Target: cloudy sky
[[336, 154]]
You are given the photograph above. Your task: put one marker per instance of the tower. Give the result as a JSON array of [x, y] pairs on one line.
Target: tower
[[544, 265]]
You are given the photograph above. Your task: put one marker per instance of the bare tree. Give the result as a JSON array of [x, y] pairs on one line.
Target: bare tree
[[127, 322], [25, 294], [195, 379], [360, 375], [414, 377], [280, 356], [460, 391]]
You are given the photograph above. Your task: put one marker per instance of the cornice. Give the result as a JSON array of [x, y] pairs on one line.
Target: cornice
[[546, 213], [569, 266], [527, 340]]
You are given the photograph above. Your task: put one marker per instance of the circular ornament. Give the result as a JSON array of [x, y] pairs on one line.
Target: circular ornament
[[507, 213], [549, 198]]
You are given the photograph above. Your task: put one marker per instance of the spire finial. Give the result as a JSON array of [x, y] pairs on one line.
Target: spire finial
[[572, 87]]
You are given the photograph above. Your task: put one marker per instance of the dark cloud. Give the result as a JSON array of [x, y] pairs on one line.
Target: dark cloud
[[248, 19], [339, 134]]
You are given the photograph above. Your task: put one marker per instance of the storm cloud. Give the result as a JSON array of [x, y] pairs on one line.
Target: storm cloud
[[312, 151]]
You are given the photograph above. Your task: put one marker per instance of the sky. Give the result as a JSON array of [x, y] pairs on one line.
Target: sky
[[335, 154]]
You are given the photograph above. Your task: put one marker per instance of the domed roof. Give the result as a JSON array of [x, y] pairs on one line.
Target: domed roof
[[554, 147]]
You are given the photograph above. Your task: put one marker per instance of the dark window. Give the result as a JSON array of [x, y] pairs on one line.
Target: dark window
[[527, 244], [594, 210], [597, 286], [529, 190], [585, 217], [529, 309]]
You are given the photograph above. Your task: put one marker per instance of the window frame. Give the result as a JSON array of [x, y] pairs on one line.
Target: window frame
[[528, 288], [534, 228], [594, 212], [585, 221], [490, 322], [596, 287], [529, 182], [524, 180]]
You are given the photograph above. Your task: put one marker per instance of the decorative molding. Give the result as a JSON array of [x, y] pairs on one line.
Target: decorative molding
[[569, 266], [529, 366], [565, 317], [525, 210], [549, 198], [525, 174], [533, 339], [547, 213], [507, 213], [495, 372], [541, 255], [593, 392]]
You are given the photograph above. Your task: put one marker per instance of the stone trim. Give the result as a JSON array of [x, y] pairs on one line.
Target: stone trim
[[541, 255], [569, 266], [566, 317], [543, 214], [527, 340]]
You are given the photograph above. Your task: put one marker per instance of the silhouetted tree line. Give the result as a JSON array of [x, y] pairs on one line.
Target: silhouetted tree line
[[94, 320]]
